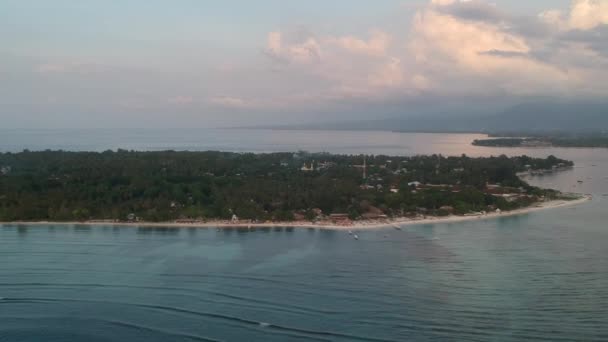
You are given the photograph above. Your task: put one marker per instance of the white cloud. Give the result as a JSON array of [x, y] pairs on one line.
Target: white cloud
[[377, 44], [587, 14], [306, 51], [228, 101], [452, 47], [582, 15], [390, 74]]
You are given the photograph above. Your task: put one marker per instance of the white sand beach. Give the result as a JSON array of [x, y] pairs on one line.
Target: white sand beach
[[356, 225]]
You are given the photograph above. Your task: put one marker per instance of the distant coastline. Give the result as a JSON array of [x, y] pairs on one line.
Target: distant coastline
[[356, 225], [575, 141]]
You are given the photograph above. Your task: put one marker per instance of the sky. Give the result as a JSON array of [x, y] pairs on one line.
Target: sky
[[206, 63]]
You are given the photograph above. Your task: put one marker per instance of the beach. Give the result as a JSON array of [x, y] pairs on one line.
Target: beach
[[356, 225]]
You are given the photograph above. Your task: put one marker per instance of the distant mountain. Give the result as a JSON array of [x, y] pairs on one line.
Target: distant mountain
[[551, 117], [532, 117]]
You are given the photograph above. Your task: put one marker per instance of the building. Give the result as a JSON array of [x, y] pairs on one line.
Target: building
[[374, 216], [414, 184], [5, 170], [324, 165], [339, 218], [447, 208], [307, 168]]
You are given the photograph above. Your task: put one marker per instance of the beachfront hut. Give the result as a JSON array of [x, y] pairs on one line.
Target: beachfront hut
[[339, 218]]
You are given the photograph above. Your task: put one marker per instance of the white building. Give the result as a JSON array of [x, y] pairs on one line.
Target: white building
[[307, 168]]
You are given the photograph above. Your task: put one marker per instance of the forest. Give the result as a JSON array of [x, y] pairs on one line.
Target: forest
[[560, 139], [167, 185]]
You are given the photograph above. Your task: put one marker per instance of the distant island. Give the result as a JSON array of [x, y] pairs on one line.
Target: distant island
[[543, 140], [220, 188]]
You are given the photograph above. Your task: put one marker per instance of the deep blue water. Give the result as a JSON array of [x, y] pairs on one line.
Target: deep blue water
[[536, 277]]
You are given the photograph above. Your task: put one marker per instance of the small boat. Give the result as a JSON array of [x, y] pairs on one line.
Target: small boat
[[350, 232], [356, 237], [396, 227]]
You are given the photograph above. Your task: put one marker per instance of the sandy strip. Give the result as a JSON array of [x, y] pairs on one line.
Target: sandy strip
[[396, 223]]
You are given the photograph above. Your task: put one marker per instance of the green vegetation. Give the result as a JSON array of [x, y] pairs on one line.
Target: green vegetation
[[500, 142], [165, 186], [557, 140]]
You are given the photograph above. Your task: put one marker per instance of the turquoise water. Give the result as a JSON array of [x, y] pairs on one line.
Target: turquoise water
[[536, 277], [542, 276]]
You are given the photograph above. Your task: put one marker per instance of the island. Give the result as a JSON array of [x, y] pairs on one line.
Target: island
[[595, 140], [234, 189]]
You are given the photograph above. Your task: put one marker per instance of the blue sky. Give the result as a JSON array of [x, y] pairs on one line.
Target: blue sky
[[88, 63]]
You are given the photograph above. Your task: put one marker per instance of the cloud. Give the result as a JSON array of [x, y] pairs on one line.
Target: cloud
[[305, 51], [377, 44], [389, 74], [583, 15], [228, 101], [451, 47], [447, 49], [181, 100], [502, 53], [347, 66], [474, 10], [555, 52], [587, 14]]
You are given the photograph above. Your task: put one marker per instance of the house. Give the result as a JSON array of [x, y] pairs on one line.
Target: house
[[447, 208], [339, 218], [307, 168], [5, 170], [414, 184], [395, 190], [374, 216], [318, 213], [324, 165]]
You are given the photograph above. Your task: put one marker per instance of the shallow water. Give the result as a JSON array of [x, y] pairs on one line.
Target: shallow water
[[542, 276]]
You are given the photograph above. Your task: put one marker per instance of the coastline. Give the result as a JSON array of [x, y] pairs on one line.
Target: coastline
[[357, 225]]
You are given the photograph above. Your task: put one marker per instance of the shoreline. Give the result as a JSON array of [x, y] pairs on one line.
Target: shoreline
[[357, 225]]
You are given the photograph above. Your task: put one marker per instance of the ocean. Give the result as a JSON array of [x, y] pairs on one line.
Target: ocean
[[542, 276]]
